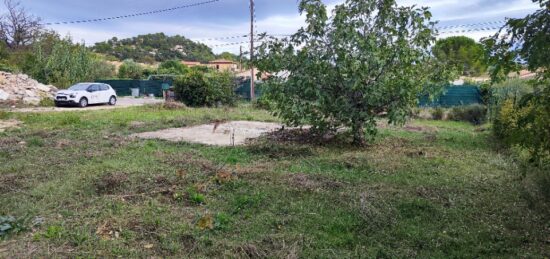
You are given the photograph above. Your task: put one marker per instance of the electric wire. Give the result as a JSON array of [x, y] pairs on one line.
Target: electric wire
[[133, 15]]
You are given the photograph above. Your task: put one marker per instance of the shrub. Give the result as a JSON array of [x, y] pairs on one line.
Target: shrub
[[200, 89], [475, 114], [46, 102], [130, 69], [438, 113], [525, 124], [172, 67]]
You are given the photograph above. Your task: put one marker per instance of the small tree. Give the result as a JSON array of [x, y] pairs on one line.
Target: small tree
[[371, 56]]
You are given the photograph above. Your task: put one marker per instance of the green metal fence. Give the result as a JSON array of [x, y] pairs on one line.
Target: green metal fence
[[146, 87], [454, 96], [243, 90]]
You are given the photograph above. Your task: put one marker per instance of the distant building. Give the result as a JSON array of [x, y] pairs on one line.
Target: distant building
[[224, 65], [192, 63]]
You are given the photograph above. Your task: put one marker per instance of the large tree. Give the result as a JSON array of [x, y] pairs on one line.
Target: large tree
[[17, 27], [371, 56], [463, 53]]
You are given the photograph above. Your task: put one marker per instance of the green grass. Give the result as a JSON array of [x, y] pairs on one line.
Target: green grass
[[441, 193]]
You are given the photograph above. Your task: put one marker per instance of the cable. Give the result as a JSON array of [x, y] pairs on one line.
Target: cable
[[470, 25], [224, 38], [472, 30], [133, 15]]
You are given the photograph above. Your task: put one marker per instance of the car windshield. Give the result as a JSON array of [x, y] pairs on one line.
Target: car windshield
[[79, 87]]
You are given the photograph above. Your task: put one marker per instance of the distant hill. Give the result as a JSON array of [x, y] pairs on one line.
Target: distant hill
[[156, 47]]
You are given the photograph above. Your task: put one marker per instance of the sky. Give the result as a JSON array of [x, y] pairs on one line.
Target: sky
[[232, 17]]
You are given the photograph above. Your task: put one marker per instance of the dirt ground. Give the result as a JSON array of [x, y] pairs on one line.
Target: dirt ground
[[123, 102], [6, 124], [225, 134]]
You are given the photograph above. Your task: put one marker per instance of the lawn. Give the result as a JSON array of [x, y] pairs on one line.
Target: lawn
[[77, 186]]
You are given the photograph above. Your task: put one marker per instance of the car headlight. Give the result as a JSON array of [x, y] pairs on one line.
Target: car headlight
[[72, 96]]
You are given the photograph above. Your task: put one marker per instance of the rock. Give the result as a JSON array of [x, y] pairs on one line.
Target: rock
[[31, 100], [3, 95], [23, 89]]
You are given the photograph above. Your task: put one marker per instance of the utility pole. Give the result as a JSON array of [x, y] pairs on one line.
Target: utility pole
[[240, 58], [252, 74]]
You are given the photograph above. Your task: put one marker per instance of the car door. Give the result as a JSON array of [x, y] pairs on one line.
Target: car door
[[95, 94], [104, 93]]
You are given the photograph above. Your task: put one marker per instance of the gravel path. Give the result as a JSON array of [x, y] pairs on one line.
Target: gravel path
[[123, 102]]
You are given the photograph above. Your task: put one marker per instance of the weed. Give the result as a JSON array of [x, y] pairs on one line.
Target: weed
[[11, 225], [475, 114], [222, 221], [53, 232], [4, 115], [46, 102], [70, 119], [35, 142], [195, 197], [438, 113]]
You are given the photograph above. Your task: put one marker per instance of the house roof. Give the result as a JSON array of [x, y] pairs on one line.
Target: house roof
[[191, 62], [221, 61]]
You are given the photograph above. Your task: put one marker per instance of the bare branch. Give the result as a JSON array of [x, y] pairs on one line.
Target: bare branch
[[18, 28]]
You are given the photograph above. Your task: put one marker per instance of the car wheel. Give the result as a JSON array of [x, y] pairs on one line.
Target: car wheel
[[58, 104], [112, 100], [83, 102]]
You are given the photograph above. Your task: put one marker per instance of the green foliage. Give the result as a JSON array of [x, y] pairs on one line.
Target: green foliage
[[46, 102], [172, 67], [200, 89], [53, 232], [463, 53], [524, 121], [370, 57], [155, 47], [438, 113], [228, 56], [130, 69], [512, 89], [475, 114], [9, 225], [62, 63], [522, 39]]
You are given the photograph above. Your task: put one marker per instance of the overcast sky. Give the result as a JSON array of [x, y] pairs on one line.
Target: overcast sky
[[231, 17]]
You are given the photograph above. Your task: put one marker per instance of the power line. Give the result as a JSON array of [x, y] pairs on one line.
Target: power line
[[134, 15], [493, 28], [470, 25]]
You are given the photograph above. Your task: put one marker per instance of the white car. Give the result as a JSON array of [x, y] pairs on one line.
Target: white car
[[83, 94]]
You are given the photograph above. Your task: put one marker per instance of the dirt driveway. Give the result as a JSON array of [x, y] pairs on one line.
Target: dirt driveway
[[123, 102]]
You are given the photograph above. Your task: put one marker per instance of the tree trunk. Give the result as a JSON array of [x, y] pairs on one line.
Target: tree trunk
[[358, 133]]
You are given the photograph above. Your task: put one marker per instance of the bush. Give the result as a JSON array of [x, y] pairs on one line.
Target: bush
[[200, 89], [438, 113], [525, 124], [172, 67], [130, 69], [475, 114]]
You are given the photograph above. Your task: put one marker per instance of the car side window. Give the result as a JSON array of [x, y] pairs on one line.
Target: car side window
[[104, 88], [94, 88]]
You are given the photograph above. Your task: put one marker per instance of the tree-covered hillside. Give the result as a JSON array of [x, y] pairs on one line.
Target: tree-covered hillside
[[155, 47]]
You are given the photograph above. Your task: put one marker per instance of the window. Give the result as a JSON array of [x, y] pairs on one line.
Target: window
[[104, 87], [94, 88]]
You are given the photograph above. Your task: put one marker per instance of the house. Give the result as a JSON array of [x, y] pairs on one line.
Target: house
[[191, 63], [224, 65]]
